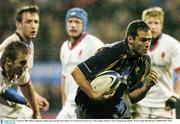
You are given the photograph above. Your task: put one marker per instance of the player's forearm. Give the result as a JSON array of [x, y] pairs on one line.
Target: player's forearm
[[138, 94], [29, 92], [177, 84], [83, 82], [177, 88], [62, 92]]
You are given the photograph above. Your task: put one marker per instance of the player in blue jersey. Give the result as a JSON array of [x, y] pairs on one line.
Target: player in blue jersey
[[129, 58]]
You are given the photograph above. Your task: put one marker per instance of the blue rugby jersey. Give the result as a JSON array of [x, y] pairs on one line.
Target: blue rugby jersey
[[116, 57]]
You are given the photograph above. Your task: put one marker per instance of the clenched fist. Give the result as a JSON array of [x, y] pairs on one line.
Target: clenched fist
[[152, 78]]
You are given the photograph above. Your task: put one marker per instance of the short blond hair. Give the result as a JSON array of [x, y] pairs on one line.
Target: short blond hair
[[156, 12]]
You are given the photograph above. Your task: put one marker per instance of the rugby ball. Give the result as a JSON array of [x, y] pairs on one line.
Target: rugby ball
[[106, 81]]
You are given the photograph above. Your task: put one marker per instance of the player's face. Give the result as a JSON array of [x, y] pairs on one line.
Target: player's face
[[19, 65], [74, 27], [142, 42], [156, 26], [29, 25]]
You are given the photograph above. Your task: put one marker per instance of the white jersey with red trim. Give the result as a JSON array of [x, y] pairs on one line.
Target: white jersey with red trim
[[70, 57], [16, 37], [7, 110], [165, 58]]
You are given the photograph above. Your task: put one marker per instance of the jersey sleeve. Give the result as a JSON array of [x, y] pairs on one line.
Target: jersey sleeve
[[95, 44], [175, 56]]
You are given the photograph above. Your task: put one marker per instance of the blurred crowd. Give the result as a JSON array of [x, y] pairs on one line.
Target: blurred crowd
[[107, 20]]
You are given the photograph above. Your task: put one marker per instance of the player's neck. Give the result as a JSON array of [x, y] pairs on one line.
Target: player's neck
[[22, 37], [75, 40]]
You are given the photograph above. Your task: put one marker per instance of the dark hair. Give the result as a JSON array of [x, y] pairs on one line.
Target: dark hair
[[13, 49], [31, 9], [135, 26]]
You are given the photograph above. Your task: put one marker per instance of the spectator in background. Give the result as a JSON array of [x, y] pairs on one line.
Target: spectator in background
[[160, 101], [79, 46], [27, 25]]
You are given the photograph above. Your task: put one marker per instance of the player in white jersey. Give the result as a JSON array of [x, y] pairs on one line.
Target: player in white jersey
[[161, 99], [78, 48], [27, 25], [14, 71]]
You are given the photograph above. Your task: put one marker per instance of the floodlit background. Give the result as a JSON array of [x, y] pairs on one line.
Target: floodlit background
[[108, 20]]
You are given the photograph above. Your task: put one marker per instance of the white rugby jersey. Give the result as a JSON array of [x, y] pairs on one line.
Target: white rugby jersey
[[70, 57], [16, 37], [165, 59]]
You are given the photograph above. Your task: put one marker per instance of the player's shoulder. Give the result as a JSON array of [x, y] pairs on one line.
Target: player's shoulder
[[92, 38], [168, 38], [119, 46], [12, 38], [8, 40], [170, 42], [64, 44]]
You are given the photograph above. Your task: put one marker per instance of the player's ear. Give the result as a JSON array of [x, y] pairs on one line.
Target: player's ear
[[17, 24], [130, 40]]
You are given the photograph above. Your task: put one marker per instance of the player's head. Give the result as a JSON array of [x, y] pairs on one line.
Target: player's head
[[154, 17], [27, 21], [139, 37], [15, 57], [24, 9], [73, 16]]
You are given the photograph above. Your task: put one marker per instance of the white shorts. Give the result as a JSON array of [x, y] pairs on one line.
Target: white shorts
[[67, 112], [14, 111], [153, 113]]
